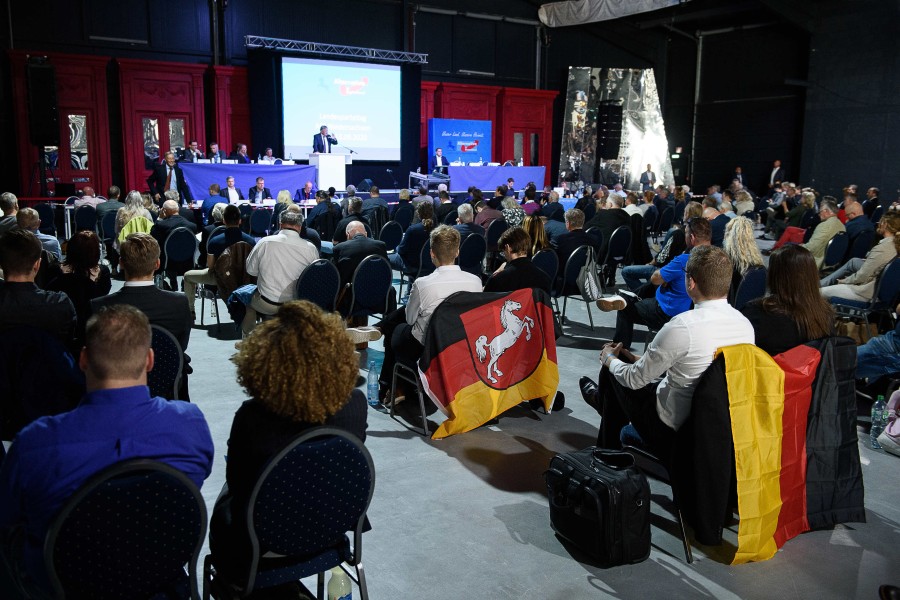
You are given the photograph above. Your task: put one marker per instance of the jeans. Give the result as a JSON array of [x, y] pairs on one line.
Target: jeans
[[850, 267], [879, 356], [636, 275]]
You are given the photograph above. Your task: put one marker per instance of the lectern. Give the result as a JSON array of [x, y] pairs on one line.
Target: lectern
[[331, 170]]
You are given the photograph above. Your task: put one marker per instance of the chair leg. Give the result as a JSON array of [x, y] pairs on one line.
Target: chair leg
[[422, 406], [590, 316], [688, 556], [320, 586], [207, 576], [361, 581], [565, 302], [202, 289], [393, 389]]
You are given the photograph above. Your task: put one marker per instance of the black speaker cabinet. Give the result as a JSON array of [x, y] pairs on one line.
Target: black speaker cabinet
[[43, 113]]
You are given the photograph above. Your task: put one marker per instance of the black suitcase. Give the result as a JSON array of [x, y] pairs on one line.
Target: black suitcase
[[600, 502]]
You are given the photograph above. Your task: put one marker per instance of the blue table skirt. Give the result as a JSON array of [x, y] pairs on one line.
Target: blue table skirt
[[488, 178], [278, 177]]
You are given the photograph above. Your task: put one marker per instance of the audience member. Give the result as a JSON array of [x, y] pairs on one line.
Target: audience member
[[637, 277], [534, 227], [880, 355], [117, 420], [464, 225], [370, 204], [277, 262], [404, 329], [513, 214], [210, 201], [680, 353], [485, 215], [671, 298], [530, 205], [169, 220], [82, 278], [552, 209], [348, 255], [299, 371], [829, 227], [134, 207], [857, 221], [112, 204], [9, 204], [410, 248], [857, 278], [608, 220], [740, 246], [22, 303], [518, 272], [793, 311], [354, 213], [30, 220], [445, 207], [88, 198], [574, 237]]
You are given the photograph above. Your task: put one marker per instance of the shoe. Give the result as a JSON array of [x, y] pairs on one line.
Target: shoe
[[611, 303], [362, 335], [589, 392], [767, 251], [559, 402]]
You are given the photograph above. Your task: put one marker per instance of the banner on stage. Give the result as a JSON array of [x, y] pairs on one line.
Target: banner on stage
[[461, 140]]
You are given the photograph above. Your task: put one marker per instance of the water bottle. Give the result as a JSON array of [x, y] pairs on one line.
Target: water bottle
[[879, 418], [372, 388], [339, 587], [258, 158]]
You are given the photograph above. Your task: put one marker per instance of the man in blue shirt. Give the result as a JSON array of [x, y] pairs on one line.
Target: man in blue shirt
[[671, 297], [117, 420], [215, 197]]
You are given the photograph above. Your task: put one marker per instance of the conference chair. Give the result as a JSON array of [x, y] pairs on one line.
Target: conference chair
[[404, 215], [548, 262], [651, 217], [664, 223], [320, 283], [306, 500], [492, 237], [260, 223], [567, 287], [407, 371], [596, 235], [391, 234], [168, 364], [86, 218], [861, 244], [878, 213], [471, 255], [128, 532], [451, 217], [616, 254], [47, 215], [425, 267], [181, 250], [370, 287], [377, 217], [835, 252], [752, 286], [108, 227], [887, 290], [246, 215]]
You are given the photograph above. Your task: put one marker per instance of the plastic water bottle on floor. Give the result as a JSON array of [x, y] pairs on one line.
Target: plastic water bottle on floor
[[878, 421], [339, 587], [372, 388]]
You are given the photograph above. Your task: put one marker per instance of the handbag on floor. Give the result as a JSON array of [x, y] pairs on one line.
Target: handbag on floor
[[600, 502], [587, 281]]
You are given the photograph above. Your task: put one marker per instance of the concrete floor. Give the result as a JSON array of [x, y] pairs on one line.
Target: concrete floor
[[468, 517]]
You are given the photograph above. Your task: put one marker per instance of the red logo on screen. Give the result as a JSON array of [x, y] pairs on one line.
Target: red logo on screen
[[353, 88], [470, 147]]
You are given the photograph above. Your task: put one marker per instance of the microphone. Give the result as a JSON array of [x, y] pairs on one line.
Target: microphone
[[388, 170]]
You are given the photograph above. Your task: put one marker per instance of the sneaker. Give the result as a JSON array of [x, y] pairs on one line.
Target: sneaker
[[611, 303], [362, 335]]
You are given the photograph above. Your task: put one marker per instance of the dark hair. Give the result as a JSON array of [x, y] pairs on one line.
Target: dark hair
[[374, 191], [793, 281], [231, 215], [19, 250], [83, 252], [425, 211], [700, 228], [711, 270], [517, 239]]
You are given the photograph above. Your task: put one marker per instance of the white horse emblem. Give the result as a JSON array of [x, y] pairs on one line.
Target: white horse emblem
[[513, 327]]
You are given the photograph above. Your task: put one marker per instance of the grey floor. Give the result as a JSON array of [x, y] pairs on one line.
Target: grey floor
[[467, 516]]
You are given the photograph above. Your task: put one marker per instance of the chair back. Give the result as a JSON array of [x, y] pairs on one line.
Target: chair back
[[752, 286], [391, 234], [370, 286], [808, 219], [451, 217], [573, 266], [665, 220], [494, 231], [70, 201], [888, 285], [835, 250], [181, 248], [619, 245], [319, 283], [48, 222], [309, 496], [168, 364], [404, 215], [651, 218], [108, 226], [877, 213], [861, 244], [596, 234], [471, 254], [548, 262], [260, 222], [85, 218], [377, 217], [326, 222], [246, 215], [158, 527], [426, 265]]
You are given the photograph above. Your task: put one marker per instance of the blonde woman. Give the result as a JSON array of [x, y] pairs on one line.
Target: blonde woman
[[740, 246], [534, 227], [134, 207]]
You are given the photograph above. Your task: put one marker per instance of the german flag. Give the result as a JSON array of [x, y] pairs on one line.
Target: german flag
[[485, 353], [795, 447]]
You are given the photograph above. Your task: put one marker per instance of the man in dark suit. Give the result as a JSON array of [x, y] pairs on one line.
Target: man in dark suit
[[608, 220], [192, 153], [739, 176], [777, 174], [168, 176], [322, 142], [438, 164], [553, 210], [259, 192], [231, 192], [574, 237], [139, 260], [168, 221], [215, 155], [464, 223], [648, 179], [354, 213], [348, 255]]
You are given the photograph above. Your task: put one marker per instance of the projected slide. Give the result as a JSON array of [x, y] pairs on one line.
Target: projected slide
[[360, 104]]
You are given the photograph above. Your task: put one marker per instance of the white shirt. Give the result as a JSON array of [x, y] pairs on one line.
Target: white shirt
[[88, 201], [267, 159], [277, 261], [233, 196], [772, 176], [632, 209], [429, 291], [682, 350]]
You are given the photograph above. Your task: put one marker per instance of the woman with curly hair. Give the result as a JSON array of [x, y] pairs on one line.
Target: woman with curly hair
[[300, 371], [740, 246], [513, 214], [534, 227]]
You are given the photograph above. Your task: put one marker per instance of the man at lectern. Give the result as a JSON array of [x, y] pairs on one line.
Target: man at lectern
[[323, 142], [438, 162]]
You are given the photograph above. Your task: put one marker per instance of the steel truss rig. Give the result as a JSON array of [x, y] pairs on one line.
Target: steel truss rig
[[256, 41]]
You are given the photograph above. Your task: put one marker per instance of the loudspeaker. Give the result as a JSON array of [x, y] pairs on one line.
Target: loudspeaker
[[364, 186], [609, 130], [43, 113]]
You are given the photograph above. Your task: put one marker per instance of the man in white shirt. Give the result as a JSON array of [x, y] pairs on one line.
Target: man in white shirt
[[404, 329], [680, 353], [268, 157], [89, 198], [277, 262], [231, 193]]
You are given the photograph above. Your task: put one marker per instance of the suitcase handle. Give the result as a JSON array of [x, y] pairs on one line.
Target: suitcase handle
[[612, 459]]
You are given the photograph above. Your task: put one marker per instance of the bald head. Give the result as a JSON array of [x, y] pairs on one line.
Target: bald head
[[170, 207], [355, 228]]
